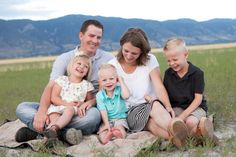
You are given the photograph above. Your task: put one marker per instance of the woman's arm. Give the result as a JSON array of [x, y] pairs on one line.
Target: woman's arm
[[160, 90]]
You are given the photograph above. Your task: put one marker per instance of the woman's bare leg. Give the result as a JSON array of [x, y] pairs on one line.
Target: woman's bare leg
[[160, 115]]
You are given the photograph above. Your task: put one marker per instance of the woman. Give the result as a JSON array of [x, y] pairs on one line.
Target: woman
[[141, 73]]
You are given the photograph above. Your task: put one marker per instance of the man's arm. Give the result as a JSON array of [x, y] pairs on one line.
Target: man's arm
[[41, 116]]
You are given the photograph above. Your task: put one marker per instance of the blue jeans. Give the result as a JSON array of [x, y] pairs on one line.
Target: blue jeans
[[88, 124]]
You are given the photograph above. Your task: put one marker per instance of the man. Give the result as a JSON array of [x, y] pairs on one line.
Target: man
[[34, 114]]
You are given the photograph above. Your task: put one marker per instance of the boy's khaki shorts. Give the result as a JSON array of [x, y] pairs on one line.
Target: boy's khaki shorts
[[198, 113]]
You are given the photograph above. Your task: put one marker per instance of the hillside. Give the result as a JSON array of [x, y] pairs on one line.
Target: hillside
[[26, 38]]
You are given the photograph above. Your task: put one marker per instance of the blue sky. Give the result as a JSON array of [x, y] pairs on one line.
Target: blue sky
[[199, 10]]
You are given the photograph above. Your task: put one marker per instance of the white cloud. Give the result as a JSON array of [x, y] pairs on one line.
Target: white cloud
[[146, 9]]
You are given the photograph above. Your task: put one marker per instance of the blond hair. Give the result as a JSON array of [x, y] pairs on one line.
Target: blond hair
[[107, 66], [75, 59], [175, 43]]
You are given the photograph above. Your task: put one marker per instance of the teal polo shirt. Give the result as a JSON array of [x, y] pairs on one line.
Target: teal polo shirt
[[115, 105]]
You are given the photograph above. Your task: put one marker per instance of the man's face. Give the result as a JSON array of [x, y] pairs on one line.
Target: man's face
[[90, 40]]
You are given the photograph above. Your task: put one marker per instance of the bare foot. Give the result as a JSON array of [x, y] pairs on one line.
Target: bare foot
[[105, 137], [116, 133]]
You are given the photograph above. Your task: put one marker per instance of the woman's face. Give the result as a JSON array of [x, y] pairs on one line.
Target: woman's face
[[130, 53]]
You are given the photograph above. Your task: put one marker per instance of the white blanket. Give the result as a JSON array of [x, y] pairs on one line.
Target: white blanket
[[89, 147]]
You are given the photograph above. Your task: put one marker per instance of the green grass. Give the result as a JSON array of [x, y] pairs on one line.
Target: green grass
[[220, 88], [25, 82], [220, 79], [21, 82]]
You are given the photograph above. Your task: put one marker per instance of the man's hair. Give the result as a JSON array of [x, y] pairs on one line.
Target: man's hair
[[87, 23], [137, 38], [175, 43], [75, 59]]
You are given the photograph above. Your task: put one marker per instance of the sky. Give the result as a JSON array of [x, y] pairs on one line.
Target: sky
[[160, 10]]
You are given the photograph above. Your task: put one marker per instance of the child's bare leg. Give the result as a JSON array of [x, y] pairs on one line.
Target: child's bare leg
[[105, 136], [53, 118], [66, 117], [192, 123]]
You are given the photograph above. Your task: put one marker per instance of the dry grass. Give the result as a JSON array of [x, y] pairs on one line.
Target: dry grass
[[154, 50]]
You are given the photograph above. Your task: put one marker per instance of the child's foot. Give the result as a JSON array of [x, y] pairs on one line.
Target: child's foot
[[52, 136], [117, 133], [105, 137], [179, 133], [51, 132]]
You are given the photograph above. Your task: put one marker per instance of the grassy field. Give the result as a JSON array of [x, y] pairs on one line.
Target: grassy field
[[25, 82]]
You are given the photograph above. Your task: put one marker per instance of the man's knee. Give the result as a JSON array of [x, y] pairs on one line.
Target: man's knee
[[25, 111], [20, 109], [88, 124]]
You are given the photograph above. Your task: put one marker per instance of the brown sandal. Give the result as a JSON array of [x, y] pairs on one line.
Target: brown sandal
[[179, 133], [52, 131], [206, 128]]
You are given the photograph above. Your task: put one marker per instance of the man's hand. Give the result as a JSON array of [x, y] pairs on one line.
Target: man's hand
[[39, 122]]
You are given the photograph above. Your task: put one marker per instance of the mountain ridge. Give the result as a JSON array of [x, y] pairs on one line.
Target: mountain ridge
[[26, 38]]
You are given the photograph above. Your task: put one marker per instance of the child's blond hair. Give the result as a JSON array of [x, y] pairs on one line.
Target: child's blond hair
[[75, 59], [107, 66], [175, 43]]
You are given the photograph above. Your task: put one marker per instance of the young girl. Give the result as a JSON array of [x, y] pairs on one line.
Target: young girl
[[68, 93], [110, 102]]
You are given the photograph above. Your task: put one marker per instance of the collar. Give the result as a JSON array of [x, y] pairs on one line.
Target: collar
[[98, 53], [191, 69], [116, 92]]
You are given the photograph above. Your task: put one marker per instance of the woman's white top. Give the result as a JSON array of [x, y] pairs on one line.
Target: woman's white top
[[139, 82]]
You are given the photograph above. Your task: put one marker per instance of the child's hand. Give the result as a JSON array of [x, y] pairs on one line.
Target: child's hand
[[148, 98], [120, 79], [73, 103], [78, 103], [104, 127]]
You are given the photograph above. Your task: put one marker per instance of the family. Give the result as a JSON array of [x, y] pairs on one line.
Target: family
[[91, 91]]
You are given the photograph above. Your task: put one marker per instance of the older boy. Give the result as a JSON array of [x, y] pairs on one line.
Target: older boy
[[184, 83]]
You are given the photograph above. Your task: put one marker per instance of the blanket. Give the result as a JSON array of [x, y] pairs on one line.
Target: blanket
[[89, 147]]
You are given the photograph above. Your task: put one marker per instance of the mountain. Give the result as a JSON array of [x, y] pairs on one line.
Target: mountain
[[25, 38]]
